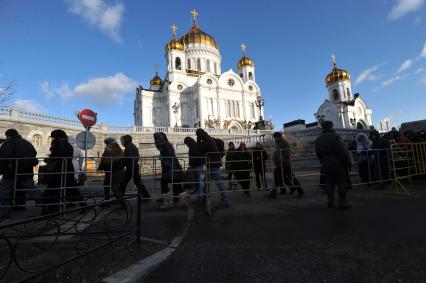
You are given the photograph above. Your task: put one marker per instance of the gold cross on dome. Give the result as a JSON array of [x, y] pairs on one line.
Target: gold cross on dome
[[194, 14], [243, 47], [174, 29], [156, 69], [333, 58]]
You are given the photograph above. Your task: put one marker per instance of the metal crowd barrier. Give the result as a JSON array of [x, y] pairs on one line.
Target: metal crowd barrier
[[384, 167]]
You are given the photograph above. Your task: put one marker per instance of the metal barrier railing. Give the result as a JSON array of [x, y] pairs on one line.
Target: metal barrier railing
[[281, 169]]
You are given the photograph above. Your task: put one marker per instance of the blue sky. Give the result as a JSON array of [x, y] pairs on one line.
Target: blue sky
[[68, 55]]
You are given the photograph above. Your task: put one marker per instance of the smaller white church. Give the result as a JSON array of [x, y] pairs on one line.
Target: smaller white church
[[345, 109], [195, 92]]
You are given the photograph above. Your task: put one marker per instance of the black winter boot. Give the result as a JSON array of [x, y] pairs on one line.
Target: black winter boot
[[330, 199]]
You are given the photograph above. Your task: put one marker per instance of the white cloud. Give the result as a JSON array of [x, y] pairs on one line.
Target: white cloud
[[422, 81], [390, 81], [404, 66], [28, 105], [107, 18], [419, 70], [368, 74], [404, 7], [101, 90], [423, 53]]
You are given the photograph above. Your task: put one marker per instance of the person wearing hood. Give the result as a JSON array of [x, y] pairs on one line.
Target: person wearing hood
[[21, 170], [259, 164], [243, 165], [77, 160], [213, 150], [363, 157], [335, 162], [60, 171], [196, 167], [131, 162], [171, 172], [283, 172], [113, 165]]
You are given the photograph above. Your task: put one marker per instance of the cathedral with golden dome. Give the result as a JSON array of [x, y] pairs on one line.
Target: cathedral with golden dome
[[343, 108], [195, 92]]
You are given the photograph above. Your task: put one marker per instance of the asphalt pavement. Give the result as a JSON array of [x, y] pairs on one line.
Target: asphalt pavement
[[381, 239]]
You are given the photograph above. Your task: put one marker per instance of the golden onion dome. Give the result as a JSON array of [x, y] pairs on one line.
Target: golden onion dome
[[156, 80], [195, 35], [245, 61], [337, 74], [175, 45]]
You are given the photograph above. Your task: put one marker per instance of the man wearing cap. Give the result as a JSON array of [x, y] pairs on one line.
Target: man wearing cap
[[17, 161], [335, 161]]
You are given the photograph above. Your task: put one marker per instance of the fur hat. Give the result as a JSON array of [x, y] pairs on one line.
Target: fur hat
[[109, 140], [11, 133]]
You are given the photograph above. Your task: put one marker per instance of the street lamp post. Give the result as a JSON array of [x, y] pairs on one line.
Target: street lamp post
[[175, 108], [259, 104]]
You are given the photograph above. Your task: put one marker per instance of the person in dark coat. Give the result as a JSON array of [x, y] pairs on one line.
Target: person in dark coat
[[259, 164], [61, 184], [283, 172], [230, 163], [213, 150], [171, 172], [131, 162], [335, 161], [364, 157], [113, 164], [21, 170], [196, 167], [380, 167], [243, 165]]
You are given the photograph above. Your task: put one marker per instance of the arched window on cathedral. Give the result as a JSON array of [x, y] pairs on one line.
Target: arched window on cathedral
[[208, 65], [348, 93], [37, 140], [198, 64], [189, 64], [215, 68], [250, 76], [233, 109], [252, 113], [238, 109], [178, 64], [335, 95]]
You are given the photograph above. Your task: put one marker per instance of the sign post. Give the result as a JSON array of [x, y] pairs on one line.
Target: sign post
[[88, 119]]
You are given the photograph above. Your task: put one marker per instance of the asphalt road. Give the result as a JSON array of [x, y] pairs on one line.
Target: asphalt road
[[381, 239]]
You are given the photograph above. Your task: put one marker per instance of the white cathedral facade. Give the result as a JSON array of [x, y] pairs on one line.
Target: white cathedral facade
[[195, 92], [343, 108]]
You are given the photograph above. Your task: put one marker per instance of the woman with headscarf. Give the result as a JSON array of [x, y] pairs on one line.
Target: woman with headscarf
[[113, 165], [363, 157], [171, 172], [243, 167]]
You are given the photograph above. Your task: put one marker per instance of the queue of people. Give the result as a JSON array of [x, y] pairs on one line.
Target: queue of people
[[63, 178]]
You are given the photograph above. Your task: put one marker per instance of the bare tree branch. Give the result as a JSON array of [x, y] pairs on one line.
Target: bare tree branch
[[6, 91]]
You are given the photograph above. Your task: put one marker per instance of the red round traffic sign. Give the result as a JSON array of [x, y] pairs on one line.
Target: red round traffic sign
[[87, 117]]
